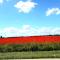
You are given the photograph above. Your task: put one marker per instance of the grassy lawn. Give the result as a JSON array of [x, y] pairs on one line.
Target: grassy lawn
[[29, 55]]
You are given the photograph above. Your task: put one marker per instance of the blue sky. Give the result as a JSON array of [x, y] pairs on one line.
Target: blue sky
[[36, 17]]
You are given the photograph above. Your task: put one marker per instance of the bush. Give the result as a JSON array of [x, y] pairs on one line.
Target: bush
[[29, 47]]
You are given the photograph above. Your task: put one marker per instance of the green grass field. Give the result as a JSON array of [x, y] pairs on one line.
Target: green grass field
[[30, 55]]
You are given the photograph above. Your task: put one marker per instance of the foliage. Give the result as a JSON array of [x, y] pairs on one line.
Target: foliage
[[30, 47], [29, 55]]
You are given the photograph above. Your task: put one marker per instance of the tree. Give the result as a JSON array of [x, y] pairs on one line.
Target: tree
[[0, 36]]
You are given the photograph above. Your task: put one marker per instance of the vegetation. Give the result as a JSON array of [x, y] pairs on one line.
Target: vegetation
[[30, 50], [1, 37], [54, 35], [29, 47], [30, 55]]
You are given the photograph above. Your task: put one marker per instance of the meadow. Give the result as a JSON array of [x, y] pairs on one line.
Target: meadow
[[30, 51], [30, 47], [29, 39], [30, 55]]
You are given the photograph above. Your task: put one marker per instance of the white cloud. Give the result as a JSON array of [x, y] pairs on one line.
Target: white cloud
[[1, 1], [26, 6], [52, 11], [56, 31], [28, 30]]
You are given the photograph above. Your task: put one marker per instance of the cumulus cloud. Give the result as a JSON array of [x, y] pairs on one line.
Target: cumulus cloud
[[52, 11], [26, 6], [27, 30]]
